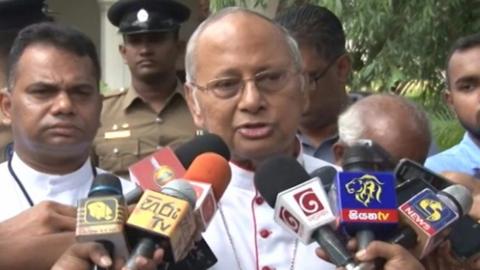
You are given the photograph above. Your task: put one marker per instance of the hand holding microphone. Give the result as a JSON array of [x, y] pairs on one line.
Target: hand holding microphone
[[80, 256], [301, 205], [164, 219], [395, 256], [101, 216]]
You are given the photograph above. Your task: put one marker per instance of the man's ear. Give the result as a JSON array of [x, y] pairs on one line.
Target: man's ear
[[123, 51], [338, 149], [343, 67], [6, 106], [307, 88], [447, 95], [194, 105]]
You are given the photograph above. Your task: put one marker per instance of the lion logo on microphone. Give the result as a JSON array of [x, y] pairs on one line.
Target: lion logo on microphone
[[366, 189]]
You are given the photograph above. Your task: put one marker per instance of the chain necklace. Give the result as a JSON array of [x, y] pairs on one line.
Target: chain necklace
[[22, 188], [235, 252]]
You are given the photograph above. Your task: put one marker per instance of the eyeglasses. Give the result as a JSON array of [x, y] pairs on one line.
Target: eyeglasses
[[266, 81], [315, 78]]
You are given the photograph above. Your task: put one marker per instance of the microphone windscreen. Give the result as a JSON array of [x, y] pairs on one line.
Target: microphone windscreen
[[277, 174], [460, 196], [358, 157], [180, 189], [105, 184], [210, 168], [326, 174], [209, 142]]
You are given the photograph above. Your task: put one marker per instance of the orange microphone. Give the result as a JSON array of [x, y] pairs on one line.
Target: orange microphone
[[209, 175]]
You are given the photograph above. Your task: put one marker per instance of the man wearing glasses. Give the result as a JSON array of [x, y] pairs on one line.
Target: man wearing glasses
[[321, 39], [248, 87]]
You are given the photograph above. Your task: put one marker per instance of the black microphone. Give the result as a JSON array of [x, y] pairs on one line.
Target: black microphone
[[365, 196], [174, 162], [101, 216], [428, 215], [409, 174], [327, 174], [301, 205]]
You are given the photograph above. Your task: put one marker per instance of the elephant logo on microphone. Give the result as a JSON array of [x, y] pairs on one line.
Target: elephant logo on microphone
[[366, 189], [308, 202], [432, 209], [98, 210]]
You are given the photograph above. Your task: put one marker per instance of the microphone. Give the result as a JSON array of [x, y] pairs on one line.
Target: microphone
[[301, 205], [209, 174], [466, 248], [409, 174], [166, 218], [429, 215], [327, 174], [155, 170], [365, 198], [101, 216]]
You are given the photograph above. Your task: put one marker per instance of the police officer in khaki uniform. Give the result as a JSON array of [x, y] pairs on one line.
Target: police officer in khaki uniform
[[152, 112], [14, 15]]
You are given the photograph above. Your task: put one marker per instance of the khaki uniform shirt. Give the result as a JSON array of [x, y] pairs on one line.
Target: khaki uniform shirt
[[131, 130]]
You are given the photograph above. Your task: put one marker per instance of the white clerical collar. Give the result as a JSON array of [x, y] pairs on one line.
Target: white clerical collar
[[243, 178], [50, 183]]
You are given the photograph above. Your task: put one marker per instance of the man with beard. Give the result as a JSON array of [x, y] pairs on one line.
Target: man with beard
[[152, 112], [463, 96]]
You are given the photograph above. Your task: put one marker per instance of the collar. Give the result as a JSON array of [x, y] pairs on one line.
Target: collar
[[470, 143], [323, 151], [31, 177], [242, 176], [132, 96], [306, 142]]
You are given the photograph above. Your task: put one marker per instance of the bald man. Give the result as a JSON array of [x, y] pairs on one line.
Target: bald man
[[396, 124]]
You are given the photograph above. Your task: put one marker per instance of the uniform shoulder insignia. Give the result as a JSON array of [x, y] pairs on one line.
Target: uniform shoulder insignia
[[115, 93]]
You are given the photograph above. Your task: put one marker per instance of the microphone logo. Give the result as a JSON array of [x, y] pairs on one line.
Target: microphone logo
[[308, 202], [101, 209], [162, 175], [366, 188], [289, 220], [432, 209]]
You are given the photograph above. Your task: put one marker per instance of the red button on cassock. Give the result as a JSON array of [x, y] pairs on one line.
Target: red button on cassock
[[259, 200], [265, 233]]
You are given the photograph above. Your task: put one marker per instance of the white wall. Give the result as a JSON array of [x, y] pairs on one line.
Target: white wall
[[89, 16]]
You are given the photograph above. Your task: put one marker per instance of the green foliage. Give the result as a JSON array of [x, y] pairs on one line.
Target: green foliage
[[400, 46]]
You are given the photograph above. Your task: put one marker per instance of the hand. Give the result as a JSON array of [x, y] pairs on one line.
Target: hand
[[396, 256], [80, 256], [36, 252], [44, 218], [442, 259], [471, 183]]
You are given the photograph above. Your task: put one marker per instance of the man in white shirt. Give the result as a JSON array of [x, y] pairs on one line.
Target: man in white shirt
[[245, 83], [53, 103]]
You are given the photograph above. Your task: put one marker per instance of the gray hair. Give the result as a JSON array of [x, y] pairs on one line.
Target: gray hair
[[190, 62], [352, 122]]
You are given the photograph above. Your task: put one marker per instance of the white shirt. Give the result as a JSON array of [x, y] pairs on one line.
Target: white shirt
[[254, 233], [66, 189]]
